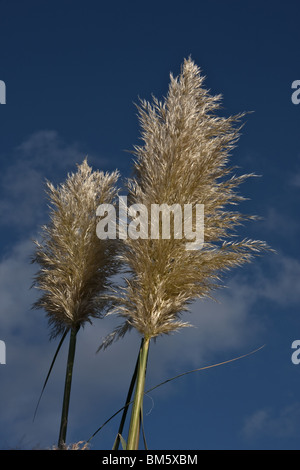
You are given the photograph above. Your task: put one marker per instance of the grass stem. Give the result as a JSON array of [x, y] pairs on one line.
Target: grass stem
[[134, 427], [67, 390]]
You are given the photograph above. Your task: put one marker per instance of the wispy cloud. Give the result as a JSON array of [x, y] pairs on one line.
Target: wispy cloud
[[46, 150], [43, 155], [266, 422], [16, 296], [294, 174], [295, 180]]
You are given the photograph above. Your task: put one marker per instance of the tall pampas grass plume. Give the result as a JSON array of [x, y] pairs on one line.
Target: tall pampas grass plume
[[184, 159]]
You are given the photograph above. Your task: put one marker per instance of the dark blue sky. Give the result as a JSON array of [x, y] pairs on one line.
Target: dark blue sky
[[73, 71]]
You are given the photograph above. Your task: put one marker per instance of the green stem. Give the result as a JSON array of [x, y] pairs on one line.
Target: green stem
[[127, 403], [67, 390], [134, 427]]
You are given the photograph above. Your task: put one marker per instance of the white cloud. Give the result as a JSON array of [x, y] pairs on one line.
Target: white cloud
[[45, 149], [295, 179], [266, 422], [280, 223], [44, 155], [282, 285], [16, 276]]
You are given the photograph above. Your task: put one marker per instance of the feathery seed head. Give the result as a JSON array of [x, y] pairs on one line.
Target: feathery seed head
[[183, 159], [75, 265]]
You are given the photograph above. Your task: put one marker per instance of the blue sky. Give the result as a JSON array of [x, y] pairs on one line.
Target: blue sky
[[73, 71]]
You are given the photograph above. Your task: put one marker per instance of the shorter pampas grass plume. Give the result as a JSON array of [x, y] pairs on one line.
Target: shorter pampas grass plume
[[184, 159], [75, 266]]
